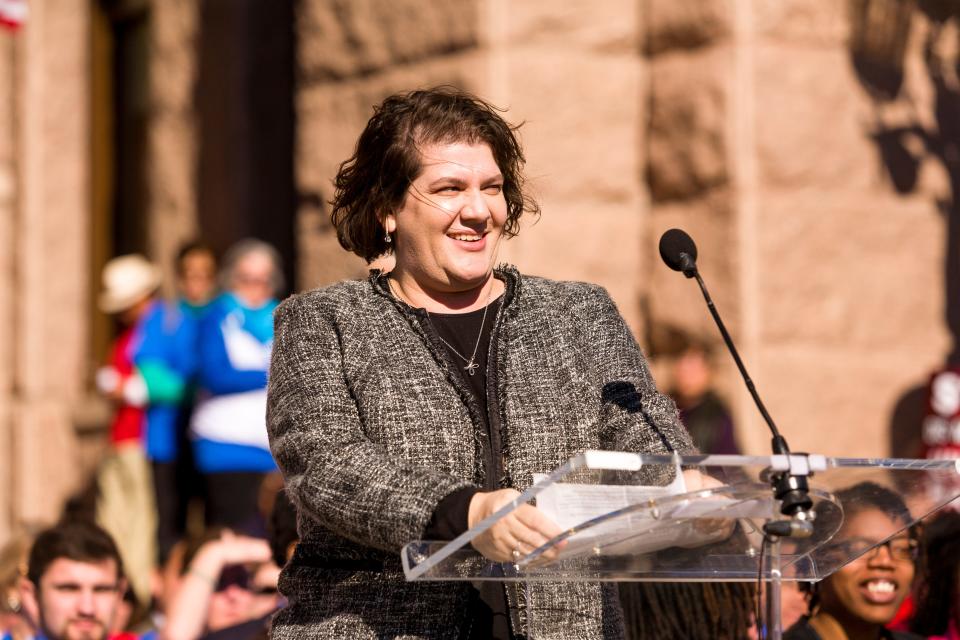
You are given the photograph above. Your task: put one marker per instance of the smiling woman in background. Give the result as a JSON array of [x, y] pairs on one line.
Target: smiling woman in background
[[856, 602], [414, 404]]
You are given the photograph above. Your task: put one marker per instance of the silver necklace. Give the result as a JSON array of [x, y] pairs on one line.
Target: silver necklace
[[471, 366]]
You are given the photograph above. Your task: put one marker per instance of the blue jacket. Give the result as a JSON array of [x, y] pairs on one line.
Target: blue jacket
[[166, 357], [234, 355]]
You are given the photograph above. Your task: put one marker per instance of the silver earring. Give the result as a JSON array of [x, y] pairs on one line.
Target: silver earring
[[387, 238]]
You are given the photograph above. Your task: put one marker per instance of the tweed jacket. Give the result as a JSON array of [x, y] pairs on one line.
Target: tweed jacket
[[372, 425]]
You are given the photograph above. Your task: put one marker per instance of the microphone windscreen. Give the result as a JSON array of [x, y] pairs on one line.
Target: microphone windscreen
[[673, 244]]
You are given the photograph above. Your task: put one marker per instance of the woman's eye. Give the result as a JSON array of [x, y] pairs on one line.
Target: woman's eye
[[494, 189]]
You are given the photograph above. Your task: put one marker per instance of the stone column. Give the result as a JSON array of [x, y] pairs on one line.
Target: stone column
[[8, 212], [695, 164], [574, 75], [172, 134], [50, 229]]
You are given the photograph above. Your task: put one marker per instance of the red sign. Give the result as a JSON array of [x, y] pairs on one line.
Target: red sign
[[13, 13], [941, 422], [941, 425]]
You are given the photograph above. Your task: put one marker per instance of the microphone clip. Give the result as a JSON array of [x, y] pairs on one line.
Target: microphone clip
[[791, 488], [688, 265]]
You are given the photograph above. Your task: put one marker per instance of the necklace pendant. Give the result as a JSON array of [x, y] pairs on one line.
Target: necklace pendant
[[472, 367]]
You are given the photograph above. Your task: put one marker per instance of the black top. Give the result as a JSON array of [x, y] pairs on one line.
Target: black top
[[803, 631], [464, 334]]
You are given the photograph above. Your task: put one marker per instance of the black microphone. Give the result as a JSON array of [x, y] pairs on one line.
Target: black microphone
[[680, 254]]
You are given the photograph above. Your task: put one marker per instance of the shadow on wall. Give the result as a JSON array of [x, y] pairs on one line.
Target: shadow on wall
[[881, 32]]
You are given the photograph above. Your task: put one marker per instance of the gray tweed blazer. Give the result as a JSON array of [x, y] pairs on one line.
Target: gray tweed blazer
[[372, 425]]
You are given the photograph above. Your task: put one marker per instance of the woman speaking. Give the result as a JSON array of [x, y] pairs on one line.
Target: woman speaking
[[415, 403]]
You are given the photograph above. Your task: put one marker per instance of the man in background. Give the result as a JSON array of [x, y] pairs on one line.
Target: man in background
[[74, 583]]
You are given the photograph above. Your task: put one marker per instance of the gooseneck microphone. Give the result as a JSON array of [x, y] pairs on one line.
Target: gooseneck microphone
[[680, 254]]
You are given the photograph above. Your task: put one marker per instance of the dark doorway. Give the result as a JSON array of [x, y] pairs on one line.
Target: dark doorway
[[120, 116], [246, 123], [120, 113]]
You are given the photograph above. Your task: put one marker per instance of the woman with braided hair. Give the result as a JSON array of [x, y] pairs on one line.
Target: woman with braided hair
[[688, 610]]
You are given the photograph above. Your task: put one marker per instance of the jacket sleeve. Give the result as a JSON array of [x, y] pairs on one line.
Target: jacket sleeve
[[634, 415], [332, 471], [166, 357]]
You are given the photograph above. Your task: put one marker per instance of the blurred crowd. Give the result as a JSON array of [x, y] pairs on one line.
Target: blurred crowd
[[190, 527]]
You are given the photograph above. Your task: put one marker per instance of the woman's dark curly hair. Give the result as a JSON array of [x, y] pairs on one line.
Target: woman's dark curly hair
[[936, 602], [373, 182]]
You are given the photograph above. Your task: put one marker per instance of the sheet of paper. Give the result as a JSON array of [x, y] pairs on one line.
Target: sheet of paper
[[658, 525]]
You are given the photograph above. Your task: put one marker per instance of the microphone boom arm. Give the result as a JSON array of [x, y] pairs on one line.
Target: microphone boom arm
[[792, 490], [779, 442]]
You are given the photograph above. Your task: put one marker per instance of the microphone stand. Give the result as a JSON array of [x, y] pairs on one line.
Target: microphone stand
[[791, 489]]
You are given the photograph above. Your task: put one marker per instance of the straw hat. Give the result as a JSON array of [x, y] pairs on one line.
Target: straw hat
[[126, 281]]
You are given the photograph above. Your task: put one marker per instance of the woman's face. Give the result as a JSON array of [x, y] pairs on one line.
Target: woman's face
[[872, 587], [252, 279], [447, 232]]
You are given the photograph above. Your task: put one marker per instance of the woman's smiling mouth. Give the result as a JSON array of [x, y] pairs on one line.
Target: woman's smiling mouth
[[879, 590]]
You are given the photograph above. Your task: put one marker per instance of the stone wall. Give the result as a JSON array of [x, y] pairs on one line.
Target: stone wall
[[746, 122], [172, 132], [862, 265], [742, 121], [346, 64], [573, 72], [549, 64], [8, 193], [831, 282], [44, 181]]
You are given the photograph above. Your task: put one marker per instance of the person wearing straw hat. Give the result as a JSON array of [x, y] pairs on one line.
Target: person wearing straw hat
[[125, 506]]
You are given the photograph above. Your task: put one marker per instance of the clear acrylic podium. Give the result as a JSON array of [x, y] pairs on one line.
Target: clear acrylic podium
[[629, 517]]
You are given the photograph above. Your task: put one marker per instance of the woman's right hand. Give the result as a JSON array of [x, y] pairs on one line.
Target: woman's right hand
[[522, 530]]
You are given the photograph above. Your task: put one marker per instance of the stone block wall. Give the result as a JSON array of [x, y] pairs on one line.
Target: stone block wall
[[762, 142], [172, 132], [44, 182], [570, 72], [850, 274], [744, 122], [347, 63]]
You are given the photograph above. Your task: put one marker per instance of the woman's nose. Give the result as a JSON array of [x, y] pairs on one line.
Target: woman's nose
[[475, 207], [881, 556]]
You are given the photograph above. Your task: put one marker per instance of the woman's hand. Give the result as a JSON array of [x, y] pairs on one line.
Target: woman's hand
[[521, 531], [697, 480], [710, 529]]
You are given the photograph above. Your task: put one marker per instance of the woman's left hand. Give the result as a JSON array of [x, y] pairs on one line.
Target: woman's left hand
[[516, 534], [713, 528]]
